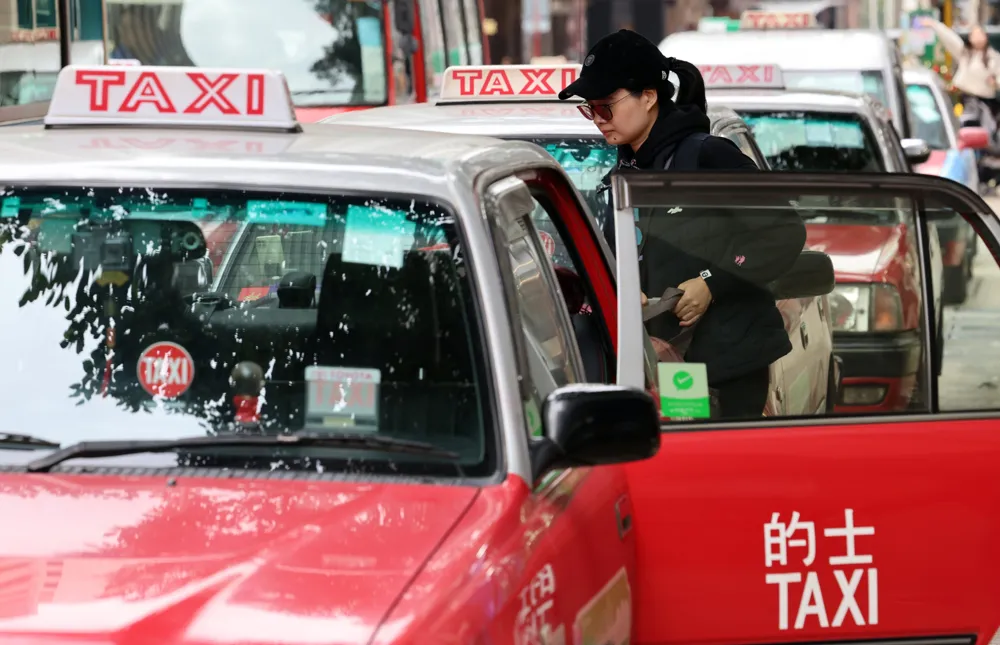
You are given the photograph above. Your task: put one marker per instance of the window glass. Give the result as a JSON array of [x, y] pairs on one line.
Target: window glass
[[540, 308], [142, 303], [870, 83], [586, 161], [815, 141], [928, 120], [434, 49], [474, 31], [331, 52], [455, 36], [751, 244]]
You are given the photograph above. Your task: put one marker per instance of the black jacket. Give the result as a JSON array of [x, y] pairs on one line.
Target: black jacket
[[742, 330]]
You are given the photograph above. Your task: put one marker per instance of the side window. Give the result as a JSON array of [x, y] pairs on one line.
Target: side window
[[542, 312], [433, 44], [745, 144]]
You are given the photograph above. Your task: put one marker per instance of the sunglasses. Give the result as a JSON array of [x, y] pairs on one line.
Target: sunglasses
[[589, 111]]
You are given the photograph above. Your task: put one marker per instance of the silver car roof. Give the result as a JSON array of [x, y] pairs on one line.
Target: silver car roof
[[500, 119], [327, 158], [790, 49], [826, 101]]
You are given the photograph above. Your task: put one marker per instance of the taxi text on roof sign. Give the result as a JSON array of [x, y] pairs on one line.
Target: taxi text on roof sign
[[742, 76], [171, 96], [467, 83], [756, 19]]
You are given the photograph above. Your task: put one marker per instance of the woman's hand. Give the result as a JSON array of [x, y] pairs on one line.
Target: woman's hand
[[643, 299], [697, 296]]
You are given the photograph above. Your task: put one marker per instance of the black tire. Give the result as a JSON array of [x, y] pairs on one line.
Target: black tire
[[956, 283]]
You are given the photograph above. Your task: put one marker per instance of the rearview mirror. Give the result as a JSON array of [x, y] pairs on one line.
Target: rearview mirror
[[973, 138], [916, 150], [810, 276], [593, 425]]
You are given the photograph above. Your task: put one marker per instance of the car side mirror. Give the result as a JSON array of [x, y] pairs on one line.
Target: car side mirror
[[594, 425], [916, 150], [810, 276], [973, 138]]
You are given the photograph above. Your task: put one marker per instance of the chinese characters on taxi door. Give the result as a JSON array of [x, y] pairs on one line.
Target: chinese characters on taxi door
[[823, 596], [534, 620]]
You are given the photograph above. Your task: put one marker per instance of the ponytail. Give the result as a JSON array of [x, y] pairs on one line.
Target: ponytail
[[692, 84]]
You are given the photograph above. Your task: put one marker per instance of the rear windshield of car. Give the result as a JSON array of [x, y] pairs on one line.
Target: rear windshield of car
[[127, 311], [871, 83], [928, 120], [815, 141]]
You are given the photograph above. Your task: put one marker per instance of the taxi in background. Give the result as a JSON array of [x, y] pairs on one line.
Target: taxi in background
[[877, 302], [952, 155], [416, 450], [850, 60], [521, 102]]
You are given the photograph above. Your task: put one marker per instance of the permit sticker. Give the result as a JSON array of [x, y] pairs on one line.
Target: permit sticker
[[286, 213], [377, 236], [165, 369], [10, 207], [684, 390], [343, 397]]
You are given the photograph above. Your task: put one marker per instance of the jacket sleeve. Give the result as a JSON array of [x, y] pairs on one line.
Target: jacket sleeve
[[951, 41], [759, 248]]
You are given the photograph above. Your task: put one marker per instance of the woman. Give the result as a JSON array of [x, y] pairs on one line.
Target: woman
[[720, 260], [976, 63]]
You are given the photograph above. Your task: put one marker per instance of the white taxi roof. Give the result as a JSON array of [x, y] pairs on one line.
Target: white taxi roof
[[792, 50], [113, 126], [511, 120], [817, 100]]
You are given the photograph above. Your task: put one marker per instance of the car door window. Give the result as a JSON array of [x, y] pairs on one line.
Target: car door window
[[880, 315]]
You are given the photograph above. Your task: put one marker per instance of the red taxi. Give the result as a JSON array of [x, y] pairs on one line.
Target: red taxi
[[417, 455]]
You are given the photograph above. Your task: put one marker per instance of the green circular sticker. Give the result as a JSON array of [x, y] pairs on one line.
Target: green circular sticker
[[683, 381]]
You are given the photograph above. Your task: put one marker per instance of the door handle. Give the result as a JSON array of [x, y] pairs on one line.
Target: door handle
[[623, 516], [804, 334]]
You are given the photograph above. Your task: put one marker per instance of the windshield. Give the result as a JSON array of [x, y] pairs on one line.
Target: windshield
[[870, 83], [332, 52], [126, 311], [823, 142], [928, 119]]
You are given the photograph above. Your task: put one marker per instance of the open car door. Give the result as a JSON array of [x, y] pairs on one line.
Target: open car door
[[822, 528]]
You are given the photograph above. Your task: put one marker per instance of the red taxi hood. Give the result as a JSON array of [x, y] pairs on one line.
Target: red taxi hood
[[858, 252], [136, 560], [315, 114]]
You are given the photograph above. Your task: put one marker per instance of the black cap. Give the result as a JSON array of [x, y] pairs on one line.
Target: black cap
[[620, 60]]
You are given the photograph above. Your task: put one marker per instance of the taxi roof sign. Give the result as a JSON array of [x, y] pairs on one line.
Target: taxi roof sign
[[171, 96], [742, 77], [759, 19], [493, 83]]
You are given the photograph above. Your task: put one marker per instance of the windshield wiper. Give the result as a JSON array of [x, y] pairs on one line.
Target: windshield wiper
[[119, 448], [24, 442]]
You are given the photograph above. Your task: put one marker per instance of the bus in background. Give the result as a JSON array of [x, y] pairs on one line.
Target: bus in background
[[338, 55]]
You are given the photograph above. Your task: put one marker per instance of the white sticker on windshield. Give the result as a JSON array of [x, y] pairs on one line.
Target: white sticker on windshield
[[343, 397], [377, 236]]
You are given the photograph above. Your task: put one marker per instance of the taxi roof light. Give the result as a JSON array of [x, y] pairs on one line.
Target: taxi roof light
[[502, 83], [742, 77], [246, 99]]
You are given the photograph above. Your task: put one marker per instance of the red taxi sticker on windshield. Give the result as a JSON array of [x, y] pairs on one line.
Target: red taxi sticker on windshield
[[506, 82], [117, 95], [548, 243], [165, 369], [742, 76], [756, 19]]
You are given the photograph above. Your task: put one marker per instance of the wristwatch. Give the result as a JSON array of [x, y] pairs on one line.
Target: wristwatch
[[705, 275]]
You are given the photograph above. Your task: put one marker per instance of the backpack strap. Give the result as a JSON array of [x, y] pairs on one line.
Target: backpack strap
[[685, 155]]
